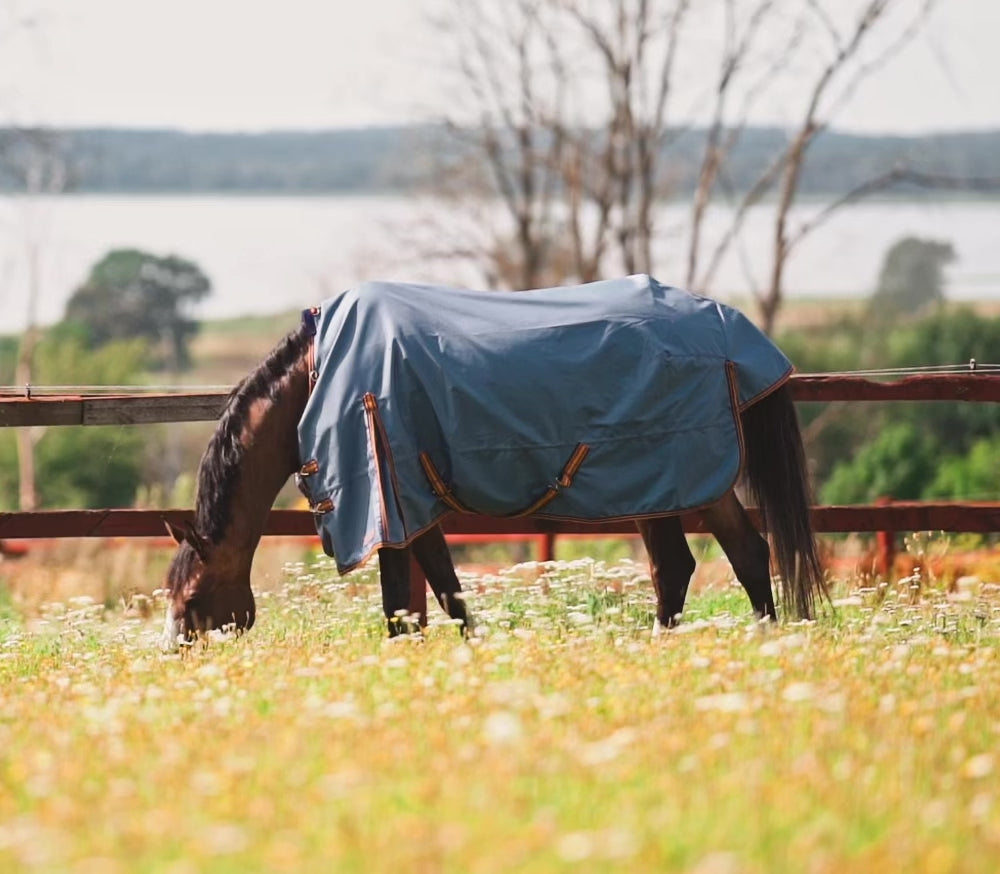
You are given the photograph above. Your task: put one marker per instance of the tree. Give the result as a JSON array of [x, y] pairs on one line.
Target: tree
[[577, 111], [131, 293], [911, 278]]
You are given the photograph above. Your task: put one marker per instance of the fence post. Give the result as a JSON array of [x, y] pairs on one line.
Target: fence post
[[886, 544], [547, 546]]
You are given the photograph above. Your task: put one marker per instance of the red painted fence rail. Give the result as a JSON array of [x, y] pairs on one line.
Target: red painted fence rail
[[971, 386]]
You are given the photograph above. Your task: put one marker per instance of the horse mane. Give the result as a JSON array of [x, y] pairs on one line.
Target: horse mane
[[181, 568], [219, 468]]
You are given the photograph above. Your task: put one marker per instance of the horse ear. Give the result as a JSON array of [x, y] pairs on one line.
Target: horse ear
[[176, 532], [184, 533]]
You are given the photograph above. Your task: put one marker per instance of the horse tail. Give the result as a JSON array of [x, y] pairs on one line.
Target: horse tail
[[777, 482]]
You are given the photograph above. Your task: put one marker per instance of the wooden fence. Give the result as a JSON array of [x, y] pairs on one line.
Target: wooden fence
[[23, 410]]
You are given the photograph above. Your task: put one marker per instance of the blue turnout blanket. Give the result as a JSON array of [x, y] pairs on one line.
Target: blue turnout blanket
[[607, 400]]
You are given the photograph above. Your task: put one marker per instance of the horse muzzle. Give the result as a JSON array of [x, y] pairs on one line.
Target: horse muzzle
[[173, 631]]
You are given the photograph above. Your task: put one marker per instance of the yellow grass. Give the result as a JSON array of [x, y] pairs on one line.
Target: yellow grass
[[561, 738]]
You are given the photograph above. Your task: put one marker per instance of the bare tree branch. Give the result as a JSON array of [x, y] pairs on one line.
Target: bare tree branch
[[737, 47]]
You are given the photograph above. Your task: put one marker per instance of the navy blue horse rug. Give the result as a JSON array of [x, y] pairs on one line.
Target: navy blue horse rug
[[615, 399]]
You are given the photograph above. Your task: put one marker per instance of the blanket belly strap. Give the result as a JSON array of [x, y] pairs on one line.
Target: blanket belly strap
[[564, 481], [439, 487]]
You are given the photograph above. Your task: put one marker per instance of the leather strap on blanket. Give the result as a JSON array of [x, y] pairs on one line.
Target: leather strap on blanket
[[565, 480], [309, 317]]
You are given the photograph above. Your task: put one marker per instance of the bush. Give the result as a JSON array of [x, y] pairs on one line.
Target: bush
[[975, 476], [899, 463]]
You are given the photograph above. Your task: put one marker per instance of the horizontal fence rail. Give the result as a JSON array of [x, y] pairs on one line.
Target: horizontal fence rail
[[21, 411], [24, 410], [983, 517]]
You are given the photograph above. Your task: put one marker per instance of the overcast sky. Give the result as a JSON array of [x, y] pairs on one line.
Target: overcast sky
[[271, 64]]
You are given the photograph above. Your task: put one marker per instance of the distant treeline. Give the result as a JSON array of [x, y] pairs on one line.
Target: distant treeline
[[392, 159]]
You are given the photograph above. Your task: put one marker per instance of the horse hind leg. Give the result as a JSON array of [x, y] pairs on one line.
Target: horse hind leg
[[746, 550], [670, 565], [432, 554]]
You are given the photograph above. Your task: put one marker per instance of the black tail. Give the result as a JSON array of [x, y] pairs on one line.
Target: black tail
[[777, 482]]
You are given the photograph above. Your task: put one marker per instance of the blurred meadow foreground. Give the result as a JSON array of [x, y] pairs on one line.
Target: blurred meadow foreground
[[561, 737]]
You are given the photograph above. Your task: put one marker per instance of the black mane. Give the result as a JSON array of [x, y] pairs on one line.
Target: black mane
[[220, 464]]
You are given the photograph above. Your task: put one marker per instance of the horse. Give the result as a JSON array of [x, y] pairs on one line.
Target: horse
[[397, 405]]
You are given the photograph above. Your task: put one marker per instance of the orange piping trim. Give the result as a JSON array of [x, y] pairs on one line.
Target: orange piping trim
[[370, 406], [389, 460], [771, 389]]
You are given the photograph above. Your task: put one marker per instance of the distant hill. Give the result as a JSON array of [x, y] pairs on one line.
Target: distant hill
[[165, 161], [392, 159]]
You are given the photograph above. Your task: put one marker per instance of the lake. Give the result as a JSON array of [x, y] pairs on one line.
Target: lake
[[268, 254]]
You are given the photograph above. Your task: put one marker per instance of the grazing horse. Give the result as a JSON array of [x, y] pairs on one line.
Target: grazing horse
[[396, 405]]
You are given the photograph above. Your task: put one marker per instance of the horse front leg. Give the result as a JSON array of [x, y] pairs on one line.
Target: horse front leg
[[394, 575], [432, 554], [670, 566]]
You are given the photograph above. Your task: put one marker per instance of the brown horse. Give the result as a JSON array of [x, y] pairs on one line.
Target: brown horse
[[255, 450]]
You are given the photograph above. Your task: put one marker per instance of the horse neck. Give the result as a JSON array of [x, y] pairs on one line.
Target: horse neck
[[271, 456]]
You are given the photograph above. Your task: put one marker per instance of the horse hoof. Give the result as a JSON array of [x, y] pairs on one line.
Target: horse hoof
[[468, 628], [660, 628]]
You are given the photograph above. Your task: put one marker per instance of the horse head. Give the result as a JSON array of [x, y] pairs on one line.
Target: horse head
[[205, 589]]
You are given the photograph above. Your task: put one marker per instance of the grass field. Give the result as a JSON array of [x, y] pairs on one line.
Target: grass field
[[562, 738]]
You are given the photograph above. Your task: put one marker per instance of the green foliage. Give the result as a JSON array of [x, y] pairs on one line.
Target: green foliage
[[606, 549], [912, 277], [133, 294], [829, 348], [9, 617], [974, 476], [948, 338], [92, 467], [181, 494], [8, 470], [898, 463], [64, 357], [8, 359]]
